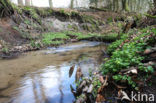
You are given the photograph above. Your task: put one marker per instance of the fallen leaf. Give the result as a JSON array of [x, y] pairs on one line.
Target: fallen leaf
[[101, 79], [100, 98], [71, 70], [78, 74], [90, 89]]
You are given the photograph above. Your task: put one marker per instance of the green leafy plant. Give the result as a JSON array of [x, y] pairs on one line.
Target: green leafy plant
[[126, 54], [5, 50]]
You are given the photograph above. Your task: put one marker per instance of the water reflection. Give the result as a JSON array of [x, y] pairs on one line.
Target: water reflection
[[115, 5], [51, 83]]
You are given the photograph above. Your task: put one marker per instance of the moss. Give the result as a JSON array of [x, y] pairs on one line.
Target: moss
[[17, 8], [28, 22], [53, 38], [74, 13], [31, 11], [70, 26], [63, 12], [5, 50], [44, 11], [151, 16], [94, 36], [1, 29], [99, 9], [109, 20], [5, 8]]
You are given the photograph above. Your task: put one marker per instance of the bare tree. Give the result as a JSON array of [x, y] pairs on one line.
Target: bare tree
[[154, 3], [50, 3], [71, 4], [32, 2], [20, 2], [27, 2]]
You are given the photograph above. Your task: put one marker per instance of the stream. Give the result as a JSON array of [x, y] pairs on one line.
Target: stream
[[43, 76]]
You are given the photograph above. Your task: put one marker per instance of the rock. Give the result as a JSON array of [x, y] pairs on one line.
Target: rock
[[133, 71], [81, 99], [90, 88], [85, 89], [82, 84], [147, 51], [101, 79], [74, 40]]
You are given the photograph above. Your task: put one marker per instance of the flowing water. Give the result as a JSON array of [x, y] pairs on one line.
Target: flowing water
[[43, 76], [140, 6]]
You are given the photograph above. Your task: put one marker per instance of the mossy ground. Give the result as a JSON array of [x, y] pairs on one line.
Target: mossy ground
[[57, 38]]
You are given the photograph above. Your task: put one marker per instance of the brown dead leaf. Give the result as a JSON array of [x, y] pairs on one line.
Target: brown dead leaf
[[104, 84], [71, 70], [147, 51], [101, 79], [100, 98], [78, 74]]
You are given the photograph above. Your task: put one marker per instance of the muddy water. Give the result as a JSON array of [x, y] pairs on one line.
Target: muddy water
[[43, 76]]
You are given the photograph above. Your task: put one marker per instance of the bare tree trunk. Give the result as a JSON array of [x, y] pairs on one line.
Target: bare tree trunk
[[50, 3], [154, 3], [20, 2], [125, 5], [71, 4], [27, 2], [31, 3]]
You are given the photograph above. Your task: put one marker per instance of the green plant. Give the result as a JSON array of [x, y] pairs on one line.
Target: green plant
[[126, 54], [96, 84], [126, 78], [35, 44], [54, 38], [5, 50]]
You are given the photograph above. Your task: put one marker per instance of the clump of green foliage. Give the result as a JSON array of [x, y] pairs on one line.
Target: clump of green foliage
[[32, 12], [5, 8], [94, 36], [35, 44], [44, 11], [128, 55], [54, 38], [5, 50]]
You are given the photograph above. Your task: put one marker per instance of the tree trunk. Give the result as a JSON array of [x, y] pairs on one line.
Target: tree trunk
[[50, 3], [125, 5], [20, 2], [27, 2], [154, 3], [71, 4]]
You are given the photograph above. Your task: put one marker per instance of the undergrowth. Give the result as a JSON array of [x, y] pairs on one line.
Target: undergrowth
[[125, 54]]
